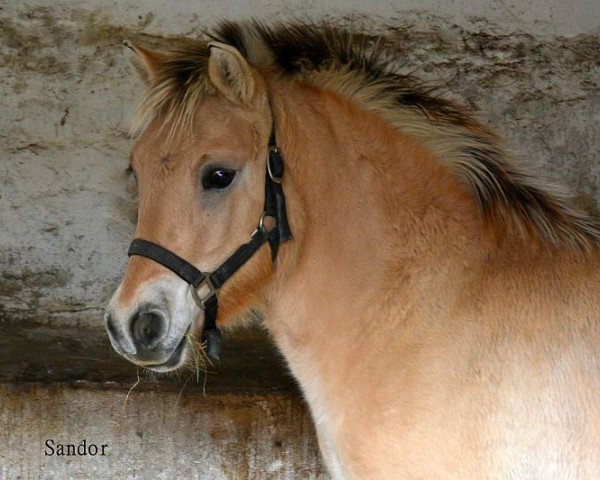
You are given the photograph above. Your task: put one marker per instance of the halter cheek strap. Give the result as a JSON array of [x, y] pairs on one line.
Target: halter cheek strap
[[210, 283]]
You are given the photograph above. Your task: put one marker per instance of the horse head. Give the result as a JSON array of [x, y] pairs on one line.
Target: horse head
[[200, 168]]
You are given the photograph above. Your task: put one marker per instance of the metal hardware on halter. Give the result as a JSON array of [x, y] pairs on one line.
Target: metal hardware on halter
[[261, 223], [201, 302]]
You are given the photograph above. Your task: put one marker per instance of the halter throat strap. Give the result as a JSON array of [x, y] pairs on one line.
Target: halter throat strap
[[205, 287]]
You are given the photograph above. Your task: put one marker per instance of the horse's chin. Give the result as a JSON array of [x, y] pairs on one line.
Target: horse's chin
[[177, 359]]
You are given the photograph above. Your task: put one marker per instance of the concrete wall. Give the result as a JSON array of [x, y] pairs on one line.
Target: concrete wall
[[532, 69], [67, 93], [155, 435]]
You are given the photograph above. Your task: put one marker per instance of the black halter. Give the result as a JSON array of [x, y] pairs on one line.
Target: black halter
[[212, 282]]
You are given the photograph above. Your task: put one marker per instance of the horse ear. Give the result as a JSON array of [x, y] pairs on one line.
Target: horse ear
[[233, 76], [146, 62]]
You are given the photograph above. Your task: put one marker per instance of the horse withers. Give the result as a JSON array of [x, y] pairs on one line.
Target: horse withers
[[438, 303]]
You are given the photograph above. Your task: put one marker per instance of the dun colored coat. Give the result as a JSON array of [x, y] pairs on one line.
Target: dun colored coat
[[438, 304]]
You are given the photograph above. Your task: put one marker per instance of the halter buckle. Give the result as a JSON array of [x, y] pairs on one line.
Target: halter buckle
[[201, 302]]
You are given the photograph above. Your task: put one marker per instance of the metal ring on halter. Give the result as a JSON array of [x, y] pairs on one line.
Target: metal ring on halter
[[201, 301], [261, 222]]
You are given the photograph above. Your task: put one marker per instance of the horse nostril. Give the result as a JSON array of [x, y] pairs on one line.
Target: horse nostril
[[147, 328]]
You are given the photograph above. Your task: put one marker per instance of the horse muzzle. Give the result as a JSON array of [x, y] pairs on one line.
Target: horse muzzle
[[146, 339]]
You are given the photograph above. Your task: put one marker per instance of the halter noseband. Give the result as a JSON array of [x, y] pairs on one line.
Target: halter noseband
[[274, 207]]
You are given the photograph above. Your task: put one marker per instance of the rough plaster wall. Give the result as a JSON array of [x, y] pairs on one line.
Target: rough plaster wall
[[155, 436], [67, 93]]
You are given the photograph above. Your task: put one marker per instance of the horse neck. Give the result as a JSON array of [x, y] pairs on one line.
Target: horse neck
[[369, 206]]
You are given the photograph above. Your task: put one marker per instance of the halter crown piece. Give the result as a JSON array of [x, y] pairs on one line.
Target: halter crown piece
[[210, 283]]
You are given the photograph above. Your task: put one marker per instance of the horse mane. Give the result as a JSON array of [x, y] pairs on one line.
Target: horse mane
[[363, 68]]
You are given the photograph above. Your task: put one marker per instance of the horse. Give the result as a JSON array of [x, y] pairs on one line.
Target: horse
[[437, 301]]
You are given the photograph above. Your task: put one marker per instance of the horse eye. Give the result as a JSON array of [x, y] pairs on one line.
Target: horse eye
[[217, 178]]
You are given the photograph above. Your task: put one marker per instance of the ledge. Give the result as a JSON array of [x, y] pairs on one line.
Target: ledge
[[82, 357]]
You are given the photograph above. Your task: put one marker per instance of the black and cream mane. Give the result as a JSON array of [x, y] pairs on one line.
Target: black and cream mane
[[364, 69]]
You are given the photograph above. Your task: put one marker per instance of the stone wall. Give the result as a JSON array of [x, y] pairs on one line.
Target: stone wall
[[67, 94]]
